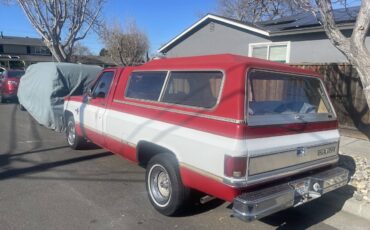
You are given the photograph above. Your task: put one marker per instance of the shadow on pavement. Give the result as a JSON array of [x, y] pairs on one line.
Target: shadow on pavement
[[347, 162], [194, 207], [38, 151], [90, 146], [309, 214], [10, 173]]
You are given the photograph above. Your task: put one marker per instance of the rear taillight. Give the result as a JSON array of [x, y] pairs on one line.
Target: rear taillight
[[11, 84], [235, 167]]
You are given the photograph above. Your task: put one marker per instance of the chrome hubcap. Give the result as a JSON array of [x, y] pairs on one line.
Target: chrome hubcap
[[71, 133], [159, 185], [163, 184]]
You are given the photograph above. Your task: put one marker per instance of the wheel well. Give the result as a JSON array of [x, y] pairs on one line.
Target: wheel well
[[67, 114], [146, 150]]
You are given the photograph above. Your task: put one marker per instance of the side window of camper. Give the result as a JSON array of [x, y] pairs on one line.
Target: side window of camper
[[146, 85], [193, 88]]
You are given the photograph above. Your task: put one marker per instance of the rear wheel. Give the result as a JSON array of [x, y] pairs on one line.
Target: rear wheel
[[163, 182], [1, 98], [74, 140]]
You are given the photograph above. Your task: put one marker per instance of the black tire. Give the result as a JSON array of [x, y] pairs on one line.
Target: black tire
[[73, 139], [1, 98], [163, 171]]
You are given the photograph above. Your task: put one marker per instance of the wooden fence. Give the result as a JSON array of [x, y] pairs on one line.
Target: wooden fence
[[345, 89]]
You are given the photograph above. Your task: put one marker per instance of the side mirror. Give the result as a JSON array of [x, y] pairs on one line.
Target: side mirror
[[88, 96], [89, 92]]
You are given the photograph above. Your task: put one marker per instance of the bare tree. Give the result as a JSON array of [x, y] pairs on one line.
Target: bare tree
[[256, 10], [81, 50], [126, 46], [61, 23], [353, 47]]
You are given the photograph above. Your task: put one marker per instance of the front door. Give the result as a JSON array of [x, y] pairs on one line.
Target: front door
[[96, 107]]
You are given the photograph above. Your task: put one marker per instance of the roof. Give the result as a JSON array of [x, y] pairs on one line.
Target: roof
[[307, 20], [300, 23], [12, 40], [218, 61]]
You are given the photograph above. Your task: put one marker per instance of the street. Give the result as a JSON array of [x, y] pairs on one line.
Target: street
[[46, 185]]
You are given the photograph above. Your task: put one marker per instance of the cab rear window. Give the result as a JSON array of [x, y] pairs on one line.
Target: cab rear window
[[146, 85]]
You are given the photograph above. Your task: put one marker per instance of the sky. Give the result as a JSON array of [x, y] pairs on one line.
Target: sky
[[161, 20]]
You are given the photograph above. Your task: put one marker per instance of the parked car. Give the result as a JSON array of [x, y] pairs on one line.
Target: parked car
[[9, 84], [260, 134], [44, 85]]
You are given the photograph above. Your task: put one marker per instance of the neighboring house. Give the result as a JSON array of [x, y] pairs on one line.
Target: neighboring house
[[18, 52], [295, 39]]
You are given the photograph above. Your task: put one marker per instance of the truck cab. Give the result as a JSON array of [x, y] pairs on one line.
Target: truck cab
[[259, 134]]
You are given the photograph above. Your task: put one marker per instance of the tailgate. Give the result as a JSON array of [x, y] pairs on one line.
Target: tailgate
[[274, 157]]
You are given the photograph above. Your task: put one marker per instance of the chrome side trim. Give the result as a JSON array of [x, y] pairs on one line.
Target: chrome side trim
[[280, 173], [200, 171], [108, 135], [133, 145], [217, 118]]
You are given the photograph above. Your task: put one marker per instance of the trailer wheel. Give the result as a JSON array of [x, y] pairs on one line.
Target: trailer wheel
[[163, 183], [74, 140]]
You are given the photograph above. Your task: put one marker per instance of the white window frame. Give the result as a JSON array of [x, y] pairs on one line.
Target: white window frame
[[268, 45]]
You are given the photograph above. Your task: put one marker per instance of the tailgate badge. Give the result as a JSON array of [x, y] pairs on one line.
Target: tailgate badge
[[301, 151]]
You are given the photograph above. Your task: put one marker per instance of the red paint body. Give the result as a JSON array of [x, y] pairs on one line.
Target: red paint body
[[9, 83]]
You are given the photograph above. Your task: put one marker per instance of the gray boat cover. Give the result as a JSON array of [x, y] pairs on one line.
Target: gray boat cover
[[44, 85]]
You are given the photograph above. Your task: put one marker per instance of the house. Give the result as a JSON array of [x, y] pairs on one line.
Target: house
[[295, 39], [18, 52]]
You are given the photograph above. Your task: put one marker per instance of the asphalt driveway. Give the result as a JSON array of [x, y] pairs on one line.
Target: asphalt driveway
[[46, 185]]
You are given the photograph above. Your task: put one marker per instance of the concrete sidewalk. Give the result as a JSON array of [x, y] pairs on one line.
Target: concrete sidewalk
[[354, 146], [355, 155]]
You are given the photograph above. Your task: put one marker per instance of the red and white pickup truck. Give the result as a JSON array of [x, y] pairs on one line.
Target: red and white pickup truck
[[260, 134]]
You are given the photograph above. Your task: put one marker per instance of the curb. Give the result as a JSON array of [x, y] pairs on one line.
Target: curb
[[357, 208], [351, 205]]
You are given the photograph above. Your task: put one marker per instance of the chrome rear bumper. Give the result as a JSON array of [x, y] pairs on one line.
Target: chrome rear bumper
[[257, 204]]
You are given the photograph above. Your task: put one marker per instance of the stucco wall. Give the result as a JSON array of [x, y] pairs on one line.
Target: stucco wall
[[314, 48], [223, 39], [305, 48]]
